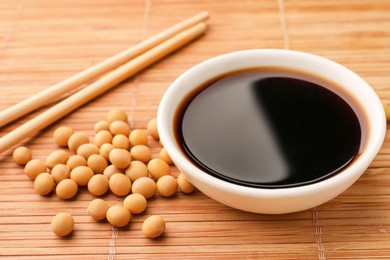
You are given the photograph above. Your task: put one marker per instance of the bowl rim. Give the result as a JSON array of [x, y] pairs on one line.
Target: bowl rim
[[376, 134]]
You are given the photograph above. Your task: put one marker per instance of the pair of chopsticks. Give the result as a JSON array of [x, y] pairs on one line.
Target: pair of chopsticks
[[118, 68]]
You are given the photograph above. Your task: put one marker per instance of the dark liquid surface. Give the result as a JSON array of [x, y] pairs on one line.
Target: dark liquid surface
[[268, 129]]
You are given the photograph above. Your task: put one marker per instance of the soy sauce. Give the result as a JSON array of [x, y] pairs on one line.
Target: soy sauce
[[268, 128]]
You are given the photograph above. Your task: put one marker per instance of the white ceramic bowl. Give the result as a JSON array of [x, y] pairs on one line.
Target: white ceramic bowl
[[282, 200]]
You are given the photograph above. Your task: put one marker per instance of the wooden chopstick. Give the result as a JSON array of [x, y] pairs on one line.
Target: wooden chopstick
[[38, 100], [100, 86]]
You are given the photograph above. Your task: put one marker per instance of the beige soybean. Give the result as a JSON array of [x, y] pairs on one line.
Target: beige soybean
[[184, 184], [138, 137], [121, 141], [120, 184], [141, 153], [56, 157], [61, 135], [66, 189], [144, 186], [120, 127], [165, 156], [167, 186], [111, 170], [102, 137], [62, 224], [43, 183], [97, 209], [34, 167], [77, 139], [101, 125], [121, 158], [60, 172], [22, 155], [75, 161], [86, 150], [81, 175], [153, 226], [98, 185], [135, 203], [158, 168], [118, 216], [105, 150], [116, 115], [152, 128], [97, 163], [137, 170]]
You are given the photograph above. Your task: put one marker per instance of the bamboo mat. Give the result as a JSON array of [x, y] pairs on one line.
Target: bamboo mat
[[44, 41]]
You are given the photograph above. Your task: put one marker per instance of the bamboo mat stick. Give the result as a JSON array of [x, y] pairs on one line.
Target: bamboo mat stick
[[36, 101], [100, 86]]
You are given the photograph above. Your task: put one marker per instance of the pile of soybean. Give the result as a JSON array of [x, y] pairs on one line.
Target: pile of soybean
[[118, 160]]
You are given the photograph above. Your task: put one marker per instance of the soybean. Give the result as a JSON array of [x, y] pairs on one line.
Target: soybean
[[138, 137], [60, 172], [135, 203], [97, 163], [66, 189], [120, 127], [184, 184], [56, 157], [86, 150], [105, 150], [152, 128], [121, 158], [118, 216], [158, 168], [167, 186], [102, 137], [75, 161], [141, 153], [121, 141], [137, 170], [62, 134], [22, 155], [44, 183], [165, 156], [97, 209], [111, 170], [120, 184], [98, 185], [77, 139], [62, 224], [153, 226], [81, 175], [101, 125], [115, 115], [34, 167], [144, 186]]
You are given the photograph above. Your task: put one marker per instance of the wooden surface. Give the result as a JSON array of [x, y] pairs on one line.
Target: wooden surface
[[44, 41]]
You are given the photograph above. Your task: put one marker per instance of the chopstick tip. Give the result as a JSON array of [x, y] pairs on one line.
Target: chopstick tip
[[205, 14]]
